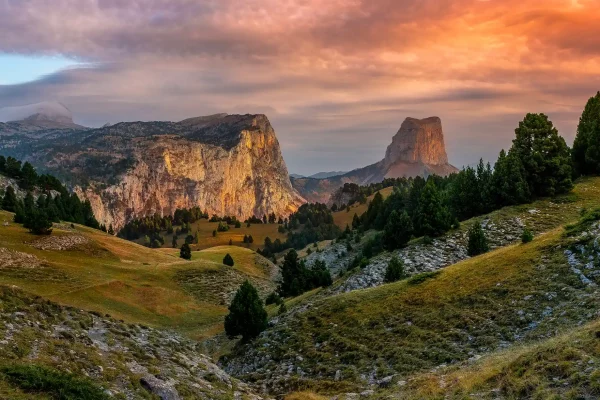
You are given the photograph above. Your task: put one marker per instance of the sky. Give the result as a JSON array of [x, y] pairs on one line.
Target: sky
[[335, 77]]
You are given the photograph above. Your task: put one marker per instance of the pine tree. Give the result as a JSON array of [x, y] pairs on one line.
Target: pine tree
[[228, 260], [394, 271], [397, 231], [37, 222], [509, 186], [174, 242], [544, 155], [247, 317], [432, 217], [586, 147], [185, 252], [292, 274], [9, 203], [477, 241]]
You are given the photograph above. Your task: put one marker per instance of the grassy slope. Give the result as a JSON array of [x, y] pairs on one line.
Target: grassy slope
[[129, 281], [516, 293], [206, 240]]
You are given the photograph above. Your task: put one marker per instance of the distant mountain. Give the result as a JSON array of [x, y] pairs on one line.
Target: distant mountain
[[224, 164], [325, 175], [417, 149], [296, 176], [37, 116]]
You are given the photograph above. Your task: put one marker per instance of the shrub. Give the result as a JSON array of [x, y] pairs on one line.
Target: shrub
[[58, 385], [273, 298], [527, 236], [228, 260], [477, 241], [394, 271]]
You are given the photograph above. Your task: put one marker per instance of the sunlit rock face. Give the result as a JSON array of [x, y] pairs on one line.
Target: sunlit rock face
[[225, 164]]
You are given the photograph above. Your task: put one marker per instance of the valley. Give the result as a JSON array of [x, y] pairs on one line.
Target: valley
[[427, 286]]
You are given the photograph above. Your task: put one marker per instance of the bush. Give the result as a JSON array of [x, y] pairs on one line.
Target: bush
[[394, 271], [185, 252], [477, 241], [246, 317], [228, 260], [273, 298], [527, 236], [58, 385]]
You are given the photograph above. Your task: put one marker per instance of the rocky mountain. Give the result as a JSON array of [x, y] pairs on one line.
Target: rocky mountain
[[417, 149], [35, 117], [225, 164]]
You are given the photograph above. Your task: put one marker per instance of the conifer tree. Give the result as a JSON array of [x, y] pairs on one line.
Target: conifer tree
[[228, 260], [477, 241], [432, 217], [185, 252], [397, 231], [394, 271], [247, 316], [544, 154], [586, 147], [9, 203]]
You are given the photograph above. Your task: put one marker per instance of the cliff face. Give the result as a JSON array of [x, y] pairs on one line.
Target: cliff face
[[418, 141], [225, 164]]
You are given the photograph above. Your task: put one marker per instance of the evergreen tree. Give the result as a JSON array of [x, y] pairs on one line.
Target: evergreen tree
[[465, 194], [509, 186], [586, 147], [292, 274], [185, 252], [37, 222], [394, 271], [544, 155], [321, 277], [397, 231], [28, 177], [432, 217], [228, 260], [111, 231], [477, 241], [9, 203], [174, 242], [246, 317]]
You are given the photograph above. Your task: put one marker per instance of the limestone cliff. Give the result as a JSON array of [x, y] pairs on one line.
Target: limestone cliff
[[225, 164]]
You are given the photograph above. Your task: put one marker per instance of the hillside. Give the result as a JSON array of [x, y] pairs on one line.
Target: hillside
[[368, 339], [344, 217], [49, 351], [89, 269], [206, 239]]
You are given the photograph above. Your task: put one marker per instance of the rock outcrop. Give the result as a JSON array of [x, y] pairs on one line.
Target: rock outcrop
[[225, 164], [417, 149]]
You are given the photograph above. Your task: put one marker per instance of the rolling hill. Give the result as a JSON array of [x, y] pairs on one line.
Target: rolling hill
[[95, 271]]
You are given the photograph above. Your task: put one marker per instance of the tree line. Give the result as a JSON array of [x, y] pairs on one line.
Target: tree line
[[54, 204]]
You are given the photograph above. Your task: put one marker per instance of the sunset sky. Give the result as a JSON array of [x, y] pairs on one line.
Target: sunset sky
[[335, 77]]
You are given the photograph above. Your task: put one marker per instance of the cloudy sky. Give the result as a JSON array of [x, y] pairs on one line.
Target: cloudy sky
[[335, 77]]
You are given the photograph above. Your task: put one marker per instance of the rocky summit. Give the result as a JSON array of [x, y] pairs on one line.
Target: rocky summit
[[417, 149], [225, 164]]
